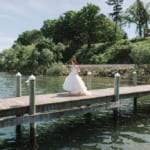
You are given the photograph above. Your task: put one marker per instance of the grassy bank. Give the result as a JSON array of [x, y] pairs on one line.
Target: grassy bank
[[107, 69]]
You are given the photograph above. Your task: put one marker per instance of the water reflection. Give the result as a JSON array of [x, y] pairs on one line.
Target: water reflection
[[33, 136], [100, 131], [130, 130]]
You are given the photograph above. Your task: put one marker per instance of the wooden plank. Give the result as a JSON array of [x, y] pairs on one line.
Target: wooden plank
[[57, 114], [46, 102], [9, 103]]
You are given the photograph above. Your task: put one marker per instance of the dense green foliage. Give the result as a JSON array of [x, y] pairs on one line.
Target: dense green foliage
[[86, 34], [141, 52], [58, 69], [139, 15], [122, 52], [116, 14]]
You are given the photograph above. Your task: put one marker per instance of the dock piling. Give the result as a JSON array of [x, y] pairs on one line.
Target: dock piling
[[134, 76], [18, 94], [116, 86], [32, 84], [89, 79], [18, 85], [116, 95], [32, 110]]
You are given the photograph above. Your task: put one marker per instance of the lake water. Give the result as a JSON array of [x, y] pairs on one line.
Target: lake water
[[130, 130]]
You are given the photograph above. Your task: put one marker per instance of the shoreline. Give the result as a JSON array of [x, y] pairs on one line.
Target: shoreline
[[107, 70]]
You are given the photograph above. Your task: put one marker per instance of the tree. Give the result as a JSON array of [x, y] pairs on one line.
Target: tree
[[58, 52], [48, 28], [29, 37], [60, 30], [44, 43], [106, 30], [88, 21], [65, 28], [32, 61], [139, 15], [116, 14]]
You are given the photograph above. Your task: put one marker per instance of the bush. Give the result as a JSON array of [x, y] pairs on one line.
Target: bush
[[141, 53], [57, 69], [118, 53]]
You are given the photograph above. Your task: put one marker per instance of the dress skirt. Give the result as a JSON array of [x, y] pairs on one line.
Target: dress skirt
[[74, 83]]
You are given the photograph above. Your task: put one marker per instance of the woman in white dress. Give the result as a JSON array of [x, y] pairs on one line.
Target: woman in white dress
[[74, 83]]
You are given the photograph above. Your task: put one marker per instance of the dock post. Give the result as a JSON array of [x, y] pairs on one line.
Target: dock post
[[116, 86], [18, 94], [32, 109], [116, 95], [18, 85], [89, 79], [32, 84], [134, 76]]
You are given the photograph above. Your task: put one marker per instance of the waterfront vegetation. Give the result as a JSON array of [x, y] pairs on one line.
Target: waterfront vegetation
[[88, 35], [94, 40], [98, 131]]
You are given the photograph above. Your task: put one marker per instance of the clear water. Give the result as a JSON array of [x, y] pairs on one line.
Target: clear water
[[129, 130]]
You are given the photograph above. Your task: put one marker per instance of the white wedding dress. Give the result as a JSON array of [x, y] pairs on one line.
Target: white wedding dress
[[74, 83]]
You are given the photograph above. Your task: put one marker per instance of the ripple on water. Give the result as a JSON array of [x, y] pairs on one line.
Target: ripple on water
[[131, 132]]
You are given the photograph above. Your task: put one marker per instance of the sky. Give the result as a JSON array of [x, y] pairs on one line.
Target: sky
[[17, 16]]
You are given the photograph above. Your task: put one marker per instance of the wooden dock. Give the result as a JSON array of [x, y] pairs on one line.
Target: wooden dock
[[14, 111]]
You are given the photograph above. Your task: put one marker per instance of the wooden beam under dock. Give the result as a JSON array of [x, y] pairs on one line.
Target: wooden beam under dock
[[49, 106]]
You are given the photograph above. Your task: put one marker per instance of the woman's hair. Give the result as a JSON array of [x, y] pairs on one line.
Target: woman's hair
[[74, 61]]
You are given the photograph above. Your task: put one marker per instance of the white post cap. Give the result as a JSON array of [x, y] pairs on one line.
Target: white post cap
[[117, 75], [89, 73], [134, 72], [32, 77], [18, 74]]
